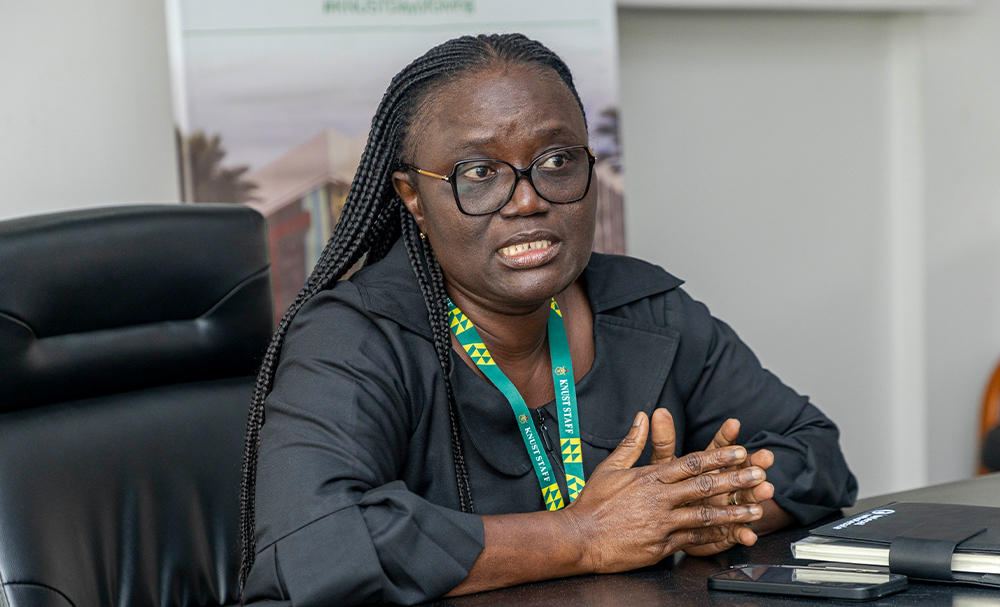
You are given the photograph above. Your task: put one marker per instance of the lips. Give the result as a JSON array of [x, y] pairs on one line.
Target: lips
[[517, 249], [530, 250]]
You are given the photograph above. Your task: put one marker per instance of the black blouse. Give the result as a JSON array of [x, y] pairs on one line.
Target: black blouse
[[356, 497]]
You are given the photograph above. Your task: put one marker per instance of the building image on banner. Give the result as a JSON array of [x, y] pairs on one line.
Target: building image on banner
[[301, 193], [273, 101]]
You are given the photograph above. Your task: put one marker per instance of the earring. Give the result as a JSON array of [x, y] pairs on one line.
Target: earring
[[423, 236]]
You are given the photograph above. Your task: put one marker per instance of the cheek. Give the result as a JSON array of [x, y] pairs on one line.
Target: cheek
[[442, 219], [450, 229], [458, 239], [583, 217]]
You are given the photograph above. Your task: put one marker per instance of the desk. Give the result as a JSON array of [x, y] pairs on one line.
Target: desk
[[680, 580]]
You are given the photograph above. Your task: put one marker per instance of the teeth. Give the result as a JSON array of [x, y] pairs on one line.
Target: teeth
[[527, 246]]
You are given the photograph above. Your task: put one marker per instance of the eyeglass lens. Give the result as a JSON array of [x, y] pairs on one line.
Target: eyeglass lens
[[483, 186]]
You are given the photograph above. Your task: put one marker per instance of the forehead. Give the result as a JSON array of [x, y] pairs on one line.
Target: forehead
[[508, 112]]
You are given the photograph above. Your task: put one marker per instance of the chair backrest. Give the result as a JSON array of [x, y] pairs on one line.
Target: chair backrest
[[128, 341]]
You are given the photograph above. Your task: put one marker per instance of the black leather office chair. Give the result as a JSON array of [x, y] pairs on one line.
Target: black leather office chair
[[128, 341]]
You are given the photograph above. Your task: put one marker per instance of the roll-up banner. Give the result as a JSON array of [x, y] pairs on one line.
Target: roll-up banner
[[273, 100]]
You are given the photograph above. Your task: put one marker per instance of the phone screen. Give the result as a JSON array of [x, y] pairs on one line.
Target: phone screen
[[803, 575]]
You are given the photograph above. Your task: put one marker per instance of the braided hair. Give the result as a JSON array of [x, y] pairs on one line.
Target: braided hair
[[374, 218]]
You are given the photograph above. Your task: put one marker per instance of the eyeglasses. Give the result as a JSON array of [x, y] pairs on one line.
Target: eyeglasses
[[485, 185]]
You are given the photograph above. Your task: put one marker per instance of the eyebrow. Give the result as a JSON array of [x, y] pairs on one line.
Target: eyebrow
[[478, 145]]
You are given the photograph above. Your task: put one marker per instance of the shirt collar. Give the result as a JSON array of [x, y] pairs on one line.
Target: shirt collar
[[389, 288]]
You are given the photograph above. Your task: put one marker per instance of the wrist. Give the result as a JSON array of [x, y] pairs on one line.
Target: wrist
[[576, 533]]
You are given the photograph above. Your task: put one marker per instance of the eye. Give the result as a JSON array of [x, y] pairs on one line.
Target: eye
[[477, 172], [556, 161], [559, 160]]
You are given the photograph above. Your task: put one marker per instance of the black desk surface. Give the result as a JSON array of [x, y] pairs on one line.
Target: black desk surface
[[681, 580]]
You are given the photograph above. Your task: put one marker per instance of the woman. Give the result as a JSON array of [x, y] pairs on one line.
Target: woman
[[423, 433]]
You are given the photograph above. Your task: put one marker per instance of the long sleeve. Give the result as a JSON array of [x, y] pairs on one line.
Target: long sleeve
[[810, 477], [334, 524]]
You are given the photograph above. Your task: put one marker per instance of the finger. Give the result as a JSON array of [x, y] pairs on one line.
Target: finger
[[726, 435], [698, 463], [629, 450], [721, 499], [755, 495], [661, 433], [715, 547], [714, 516], [707, 485], [710, 549], [743, 535], [762, 459], [701, 536], [736, 534]]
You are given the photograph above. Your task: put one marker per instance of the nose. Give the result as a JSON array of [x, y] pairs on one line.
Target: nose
[[525, 200]]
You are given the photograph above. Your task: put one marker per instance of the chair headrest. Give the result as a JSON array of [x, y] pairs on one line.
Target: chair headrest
[[113, 299]]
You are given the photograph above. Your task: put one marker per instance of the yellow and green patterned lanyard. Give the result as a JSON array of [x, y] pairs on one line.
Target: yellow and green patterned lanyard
[[562, 379]]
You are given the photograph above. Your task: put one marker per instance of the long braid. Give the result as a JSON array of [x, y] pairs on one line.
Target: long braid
[[442, 344], [436, 299], [373, 219]]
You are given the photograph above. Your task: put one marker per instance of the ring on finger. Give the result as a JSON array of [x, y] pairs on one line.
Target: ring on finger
[[732, 499]]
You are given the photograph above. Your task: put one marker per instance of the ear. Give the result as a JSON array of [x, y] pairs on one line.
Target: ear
[[404, 185]]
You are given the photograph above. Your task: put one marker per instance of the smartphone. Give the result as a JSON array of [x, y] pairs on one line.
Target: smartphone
[[818, 582]]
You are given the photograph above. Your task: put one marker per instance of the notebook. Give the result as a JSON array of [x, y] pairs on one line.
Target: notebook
[[943, 542]]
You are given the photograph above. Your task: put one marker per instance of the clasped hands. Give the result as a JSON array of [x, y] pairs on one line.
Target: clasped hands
[[629, 517]]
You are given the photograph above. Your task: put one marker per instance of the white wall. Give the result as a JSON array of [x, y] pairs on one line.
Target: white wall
[[755, 170], [962, 82], [827, 183], [85, 114]]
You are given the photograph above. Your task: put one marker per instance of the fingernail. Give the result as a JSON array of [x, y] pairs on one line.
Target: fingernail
[[756, 473], [638, 419], [738, 453], [756, 510]]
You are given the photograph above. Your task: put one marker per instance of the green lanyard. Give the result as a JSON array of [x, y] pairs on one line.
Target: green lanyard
[[562, 380]]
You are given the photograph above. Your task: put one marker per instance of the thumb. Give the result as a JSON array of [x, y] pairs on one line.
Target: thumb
[[629, 450], [661, 433]]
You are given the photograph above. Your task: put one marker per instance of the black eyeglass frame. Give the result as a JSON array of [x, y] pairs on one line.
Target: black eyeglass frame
[[518, 174]]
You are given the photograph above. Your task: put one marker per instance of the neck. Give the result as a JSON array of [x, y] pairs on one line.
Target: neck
[[510, 334]]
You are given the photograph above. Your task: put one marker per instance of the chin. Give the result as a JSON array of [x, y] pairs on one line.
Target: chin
[[532, 287]]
